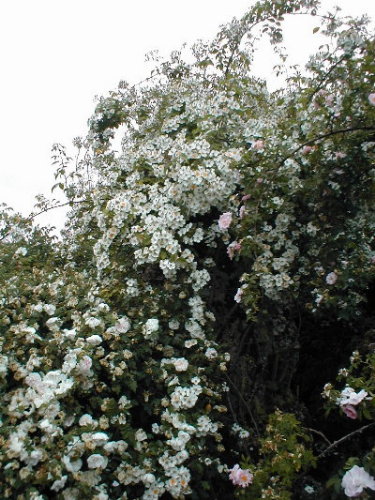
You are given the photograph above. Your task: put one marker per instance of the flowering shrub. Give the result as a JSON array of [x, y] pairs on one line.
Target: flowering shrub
[[359, 391], [357, 401], [149, 348], [94, 401], [283, 454]]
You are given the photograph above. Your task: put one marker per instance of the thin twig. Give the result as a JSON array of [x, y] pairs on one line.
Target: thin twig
[[321, 435], [343, 439], [324, 136], [47, 209], [245, 403]]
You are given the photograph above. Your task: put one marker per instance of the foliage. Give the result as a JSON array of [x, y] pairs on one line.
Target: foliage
[[283, 454]]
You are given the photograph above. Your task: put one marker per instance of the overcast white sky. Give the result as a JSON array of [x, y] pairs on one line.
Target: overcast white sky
[[56, 55]]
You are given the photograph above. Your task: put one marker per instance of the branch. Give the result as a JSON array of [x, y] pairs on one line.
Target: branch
[[321, 435], [343, 439], [245, 403], [324, 136], [47, 209], [260, 21]]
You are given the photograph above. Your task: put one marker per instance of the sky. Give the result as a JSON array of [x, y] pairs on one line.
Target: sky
[[57, 55]]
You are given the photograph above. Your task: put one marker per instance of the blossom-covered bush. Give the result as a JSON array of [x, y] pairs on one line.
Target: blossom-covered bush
[[210, 273], [284, 452]]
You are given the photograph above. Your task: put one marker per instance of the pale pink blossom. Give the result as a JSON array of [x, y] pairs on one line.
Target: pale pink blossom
[[350, 411], [240, 477], [85, 365], [259, 144], [233, 248], [329, 99], [242, 212], [225, 220], [331, 278], [307, 149], [339, 155], [355, 480], [371, 99], [259, 180], [246, 197]]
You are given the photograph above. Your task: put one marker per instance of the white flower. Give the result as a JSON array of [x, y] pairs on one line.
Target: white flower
[[122, 325], [140, 435], [148, 479], [59, 483], [371, 98], [151, 325], [350, 397], [180, 364], [86, 419], [124, 402], [174, 324], [185, 397], [50, 309], [99, 438], [94, 340], [97, 461], [238, 295], [74, 466], [190, 343], [21, 251], [69, 334], [92, 322], [211, 353], [331, 278], [355, 480]]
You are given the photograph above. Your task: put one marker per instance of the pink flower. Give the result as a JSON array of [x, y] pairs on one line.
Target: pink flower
[[371, 99], [259, 144], [307, 149], [225, 220], [339, 155], [246, 197], [240, 477], [329, 100], [350, 411], [233, 248], [355, 480], [85, 364], [242, 211]]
